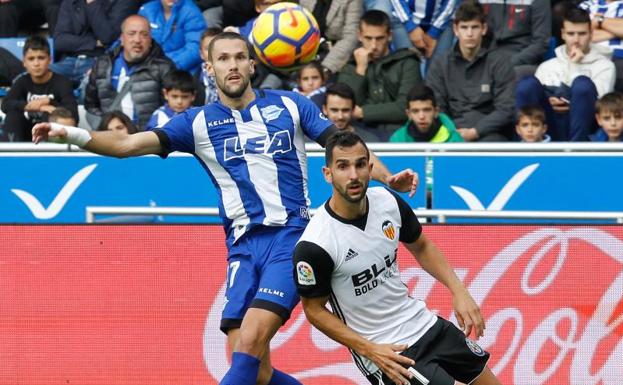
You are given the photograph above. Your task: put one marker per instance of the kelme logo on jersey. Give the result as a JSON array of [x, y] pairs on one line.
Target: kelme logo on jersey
[[474, 347], [280, 142], [271, 113], [389, 230], [305, 274]]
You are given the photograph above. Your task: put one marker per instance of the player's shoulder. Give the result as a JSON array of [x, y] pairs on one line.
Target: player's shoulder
[[278, 96], [380, 193], [320, 226]]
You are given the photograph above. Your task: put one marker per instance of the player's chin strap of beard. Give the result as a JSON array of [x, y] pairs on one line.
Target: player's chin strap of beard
[[75, 135]]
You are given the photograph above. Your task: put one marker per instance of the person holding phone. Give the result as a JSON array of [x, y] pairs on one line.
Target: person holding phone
[[568, 85]]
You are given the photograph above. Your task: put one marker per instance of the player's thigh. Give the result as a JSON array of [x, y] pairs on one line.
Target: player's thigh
[[277, 291], [241, 287], [486, 378], [458, 355]]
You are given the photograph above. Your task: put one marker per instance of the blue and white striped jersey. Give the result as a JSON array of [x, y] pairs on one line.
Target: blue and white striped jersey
[[255, 157], [160, 117], [432, 15], [613, 9]]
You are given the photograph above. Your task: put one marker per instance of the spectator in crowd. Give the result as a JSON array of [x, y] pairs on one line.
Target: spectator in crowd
[[607, 23], [179, 92], [426, 124], [531, 125], [37, 93], [568, 86], [212, 12], [204, 83], [246, 29], [380, 78], [338, 21], [117, 121], [428, 24], [400, 37], [238, 12], [609, 115], [522, 30], [62, 115], [473, 82], [338, 107], [10, 67], [310, 80], [85, 29], [27, 14], [129, 78], [177, 26]]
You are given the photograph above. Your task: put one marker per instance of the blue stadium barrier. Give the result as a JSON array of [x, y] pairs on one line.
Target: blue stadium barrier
[[15, 45]]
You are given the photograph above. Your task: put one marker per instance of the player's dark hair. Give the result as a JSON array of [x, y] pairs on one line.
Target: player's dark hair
[[532, 112], [342, 138], [312, 64], [109, 116], [179, 80], [342, 90], [36, 43], [225, 36], [611, 102], [209, 32], [421, 92], [60, 113], [376, 18], [470, 10], [576, 16]]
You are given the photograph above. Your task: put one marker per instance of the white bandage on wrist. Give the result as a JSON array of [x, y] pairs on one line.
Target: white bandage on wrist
[[75, 135]]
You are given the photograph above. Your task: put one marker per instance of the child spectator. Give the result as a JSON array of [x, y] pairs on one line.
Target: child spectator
[[117, 121], [179, 92], [37, 93], [310, 80], [609, 114], [425, 123], [206, 84], [63, 116], [531, 126]]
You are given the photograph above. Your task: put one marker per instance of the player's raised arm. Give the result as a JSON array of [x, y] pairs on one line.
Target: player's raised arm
[[111, 143]]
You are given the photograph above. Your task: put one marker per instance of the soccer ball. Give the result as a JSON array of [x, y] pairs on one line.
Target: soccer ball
[[285, 36]]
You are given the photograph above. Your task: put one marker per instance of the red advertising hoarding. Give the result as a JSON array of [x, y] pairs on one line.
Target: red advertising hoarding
[[141, 305]]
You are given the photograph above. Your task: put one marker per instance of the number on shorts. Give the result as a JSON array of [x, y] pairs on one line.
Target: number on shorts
[[233, 268]]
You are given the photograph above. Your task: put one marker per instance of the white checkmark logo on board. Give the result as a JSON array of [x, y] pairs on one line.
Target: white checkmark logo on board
[[59, 200]]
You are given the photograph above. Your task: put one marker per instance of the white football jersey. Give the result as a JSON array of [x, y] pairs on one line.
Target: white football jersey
[[354, 263]]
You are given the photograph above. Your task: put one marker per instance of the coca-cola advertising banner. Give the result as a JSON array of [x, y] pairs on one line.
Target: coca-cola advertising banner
[[140, 305]]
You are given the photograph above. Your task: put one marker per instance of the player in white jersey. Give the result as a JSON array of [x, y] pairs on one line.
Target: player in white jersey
[[251, 144], [347, 256]]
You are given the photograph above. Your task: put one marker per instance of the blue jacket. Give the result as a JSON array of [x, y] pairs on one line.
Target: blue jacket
[[601, 136], [179, 36]]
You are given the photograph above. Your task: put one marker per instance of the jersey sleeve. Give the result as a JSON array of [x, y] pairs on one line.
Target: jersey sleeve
[[177, 133], [411, 228], [313, 268], [313, 122]]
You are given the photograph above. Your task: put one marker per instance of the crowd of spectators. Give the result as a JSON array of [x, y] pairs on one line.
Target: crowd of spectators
[[392, 70]]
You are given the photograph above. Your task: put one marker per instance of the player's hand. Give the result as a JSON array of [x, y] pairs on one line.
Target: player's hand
[[468, 314], [44, 131], [405, 180], [386, 357]]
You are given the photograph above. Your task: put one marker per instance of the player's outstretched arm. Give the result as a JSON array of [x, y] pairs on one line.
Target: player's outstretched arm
[[405, 181], [111, 143], [385, 356], [435, 263]]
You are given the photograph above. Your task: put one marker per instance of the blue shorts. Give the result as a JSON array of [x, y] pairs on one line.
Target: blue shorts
[[259, 274]]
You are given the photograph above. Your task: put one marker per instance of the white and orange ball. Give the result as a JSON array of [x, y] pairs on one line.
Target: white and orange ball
[[285, 36]]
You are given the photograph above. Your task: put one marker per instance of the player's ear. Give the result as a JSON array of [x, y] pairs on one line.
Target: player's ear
[[326, 171], [252, 67], [210, 68], [370, 165]]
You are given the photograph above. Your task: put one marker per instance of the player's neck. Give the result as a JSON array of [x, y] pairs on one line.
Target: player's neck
[[238, 103], [348, 210]]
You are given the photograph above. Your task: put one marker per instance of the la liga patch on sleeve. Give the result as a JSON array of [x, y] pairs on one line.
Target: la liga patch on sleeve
[[305, 274]]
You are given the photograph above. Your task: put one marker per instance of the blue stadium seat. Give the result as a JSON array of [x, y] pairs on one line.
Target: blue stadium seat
[[15, 45]]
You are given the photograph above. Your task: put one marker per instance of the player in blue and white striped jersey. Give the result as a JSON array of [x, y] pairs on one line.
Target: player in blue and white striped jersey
[[250, 143]]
